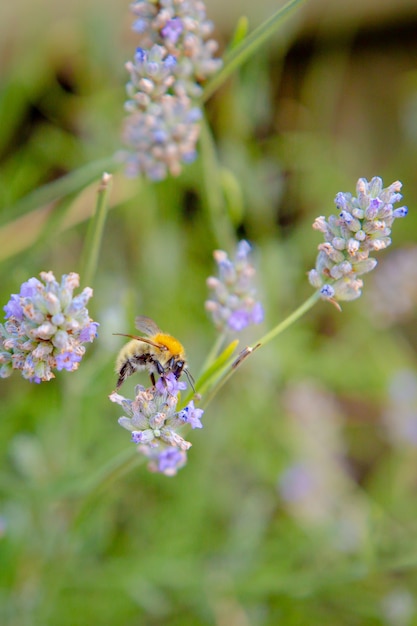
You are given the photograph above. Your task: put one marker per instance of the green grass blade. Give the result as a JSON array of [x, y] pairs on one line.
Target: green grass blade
[[95, 232], [241, 53]]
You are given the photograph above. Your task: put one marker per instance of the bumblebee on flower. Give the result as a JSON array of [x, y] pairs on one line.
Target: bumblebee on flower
[[154, 421]]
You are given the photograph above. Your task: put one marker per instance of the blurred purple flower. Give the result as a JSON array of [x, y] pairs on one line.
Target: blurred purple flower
[[233, 305]]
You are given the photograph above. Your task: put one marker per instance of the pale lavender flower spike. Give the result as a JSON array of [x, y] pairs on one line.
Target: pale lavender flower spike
[[233, 305], [154, 422], [45, 328], [362, 226], [174, 57]]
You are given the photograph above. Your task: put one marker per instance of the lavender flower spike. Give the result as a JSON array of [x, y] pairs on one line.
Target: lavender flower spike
[[45, 328], [362, 226], [233, 305], [173, 58], [154, 423]]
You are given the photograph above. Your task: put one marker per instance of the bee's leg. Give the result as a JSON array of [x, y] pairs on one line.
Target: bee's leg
[[159, 368], [126, 370]]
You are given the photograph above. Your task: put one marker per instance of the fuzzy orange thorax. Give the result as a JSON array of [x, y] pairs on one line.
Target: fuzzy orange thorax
[[171, 344]]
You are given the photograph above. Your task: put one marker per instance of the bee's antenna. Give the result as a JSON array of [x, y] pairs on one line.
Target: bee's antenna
[[189, 378], [144, 340]]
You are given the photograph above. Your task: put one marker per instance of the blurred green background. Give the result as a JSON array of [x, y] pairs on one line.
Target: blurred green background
[[298, 503]]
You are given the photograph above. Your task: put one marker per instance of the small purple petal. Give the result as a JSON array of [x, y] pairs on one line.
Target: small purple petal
[[172, 30], [238, 320], [170, 62], [376, 203], [89, 333], [257, 313], [170, 459], [67, 361], [13, 308], [190, 157], [191, 415], [327, 291], [170, 384], [243, 250], [400, 212], [137, 436], [29, 288], [160, 136], [139, 26], [140, 55], [346, 217]]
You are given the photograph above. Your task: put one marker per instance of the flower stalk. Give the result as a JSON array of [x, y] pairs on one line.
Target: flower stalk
[[95, 231]]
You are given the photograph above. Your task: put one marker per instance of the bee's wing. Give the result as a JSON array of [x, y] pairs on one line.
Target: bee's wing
[[146, 325]]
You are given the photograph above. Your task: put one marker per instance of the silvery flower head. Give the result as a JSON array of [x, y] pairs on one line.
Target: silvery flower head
[[362, 227], [233, 305], [154, 422], [46, 328], [182, 28], [162, 139], [174, 57]]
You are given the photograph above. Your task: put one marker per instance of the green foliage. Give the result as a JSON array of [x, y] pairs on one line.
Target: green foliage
[[91, 537]]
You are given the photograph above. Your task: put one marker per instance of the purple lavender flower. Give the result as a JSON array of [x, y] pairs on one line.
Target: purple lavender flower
[[170, 384], [172, 30], [238, 320], [161, 139], [45, 328], [89, 333], [154, 423], [191, 415], [174, 57], [363, 226], [13, 307], [67, 361], [138, 436], [170, 460], [233, 305], [184, 30]]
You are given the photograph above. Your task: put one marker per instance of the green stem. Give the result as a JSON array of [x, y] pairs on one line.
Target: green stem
[[306, 306], [213, 197], [235, 363], [239, 54], [215, 349], [95, 232], [64, 186]]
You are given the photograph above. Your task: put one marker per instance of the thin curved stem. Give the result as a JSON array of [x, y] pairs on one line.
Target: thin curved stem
[[95, 232], [240, 53], [235, 363], [306, 306]]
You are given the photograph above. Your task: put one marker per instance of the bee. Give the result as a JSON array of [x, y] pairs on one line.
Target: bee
[[157, 352]]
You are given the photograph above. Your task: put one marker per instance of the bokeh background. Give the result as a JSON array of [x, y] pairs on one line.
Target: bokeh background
[[298, 504]]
